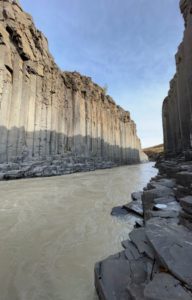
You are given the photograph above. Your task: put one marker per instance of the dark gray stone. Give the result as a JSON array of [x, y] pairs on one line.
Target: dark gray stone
[[122, 277], [131, 252], [167, 214], [136, 196], [186, 216], [172, 244], [135, 207], [165, 287], [149, 196], [139, 239], [169, 210], [184, 178], [169, 183], [139, 223], [126, 244], [186, 204], [119, 211], [164, 200]]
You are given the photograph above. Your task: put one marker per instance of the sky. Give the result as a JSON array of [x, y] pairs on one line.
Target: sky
[[127, 45]]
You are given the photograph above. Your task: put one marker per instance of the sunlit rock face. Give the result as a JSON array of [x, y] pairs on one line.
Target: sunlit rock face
[[177, 107], [45, 112]]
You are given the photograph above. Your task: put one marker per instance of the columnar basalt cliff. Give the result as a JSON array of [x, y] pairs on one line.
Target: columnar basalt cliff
[[177, 107], [45, 112]]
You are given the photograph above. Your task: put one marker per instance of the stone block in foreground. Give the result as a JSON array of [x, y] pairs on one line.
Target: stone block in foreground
[[123, 276], [172, 244]]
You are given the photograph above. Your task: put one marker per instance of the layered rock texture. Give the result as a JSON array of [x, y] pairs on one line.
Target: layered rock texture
[[47, 114], [177, 107]]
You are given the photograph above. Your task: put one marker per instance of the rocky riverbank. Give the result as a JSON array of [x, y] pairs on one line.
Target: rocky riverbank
[[156, 263], [52, 166]]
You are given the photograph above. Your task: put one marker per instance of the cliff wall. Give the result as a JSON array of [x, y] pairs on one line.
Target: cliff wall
[[177, 107], [45, 112]]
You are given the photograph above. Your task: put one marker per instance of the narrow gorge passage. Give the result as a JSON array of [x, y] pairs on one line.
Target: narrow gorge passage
[[53, 232]]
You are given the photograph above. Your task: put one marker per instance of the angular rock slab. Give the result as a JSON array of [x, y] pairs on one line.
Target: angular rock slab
[[135, 207], [165, 214], [165, 287], [149, 196], [169, 183], [186, 204], [119, 211], [139, 239], [164, 200], [122, 276], [172, 244]]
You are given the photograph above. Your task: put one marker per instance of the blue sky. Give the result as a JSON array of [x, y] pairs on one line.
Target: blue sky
[[128, 45]]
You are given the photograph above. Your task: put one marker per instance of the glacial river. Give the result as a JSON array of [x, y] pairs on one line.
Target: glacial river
[[53, 230]]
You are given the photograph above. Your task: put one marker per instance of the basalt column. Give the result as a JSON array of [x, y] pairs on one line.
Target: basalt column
[[177, 107], [45, 112]]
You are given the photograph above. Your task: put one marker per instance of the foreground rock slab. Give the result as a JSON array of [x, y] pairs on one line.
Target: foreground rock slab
[[135, 207], [123, 276], [165, 287], [172, 244]]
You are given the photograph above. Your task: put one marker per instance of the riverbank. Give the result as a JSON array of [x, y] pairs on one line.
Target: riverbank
[[57, 165], [156, 262]]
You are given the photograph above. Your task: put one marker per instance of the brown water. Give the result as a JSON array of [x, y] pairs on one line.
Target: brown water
[[53, 230]]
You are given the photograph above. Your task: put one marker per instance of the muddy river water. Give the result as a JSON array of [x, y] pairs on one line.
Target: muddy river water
[[53, 230]]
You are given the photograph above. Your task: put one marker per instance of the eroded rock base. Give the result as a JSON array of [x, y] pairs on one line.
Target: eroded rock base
[[52, 166]]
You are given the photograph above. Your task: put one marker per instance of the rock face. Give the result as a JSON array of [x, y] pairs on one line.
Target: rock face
[[45, 112], [177, 107]]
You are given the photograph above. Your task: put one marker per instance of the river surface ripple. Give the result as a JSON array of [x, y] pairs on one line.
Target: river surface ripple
[[53, 230]]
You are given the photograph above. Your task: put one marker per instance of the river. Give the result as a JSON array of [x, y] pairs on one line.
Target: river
[[53, 230]]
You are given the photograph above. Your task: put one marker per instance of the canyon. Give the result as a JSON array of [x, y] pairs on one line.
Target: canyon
[[155, 262], [54, 122]]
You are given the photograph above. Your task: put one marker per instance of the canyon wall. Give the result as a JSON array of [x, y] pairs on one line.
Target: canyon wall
[[177, 107], [45, 112]]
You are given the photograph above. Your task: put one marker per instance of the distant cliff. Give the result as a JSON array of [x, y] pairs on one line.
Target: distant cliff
[[177, 107], [45, 112], [155, 152]]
